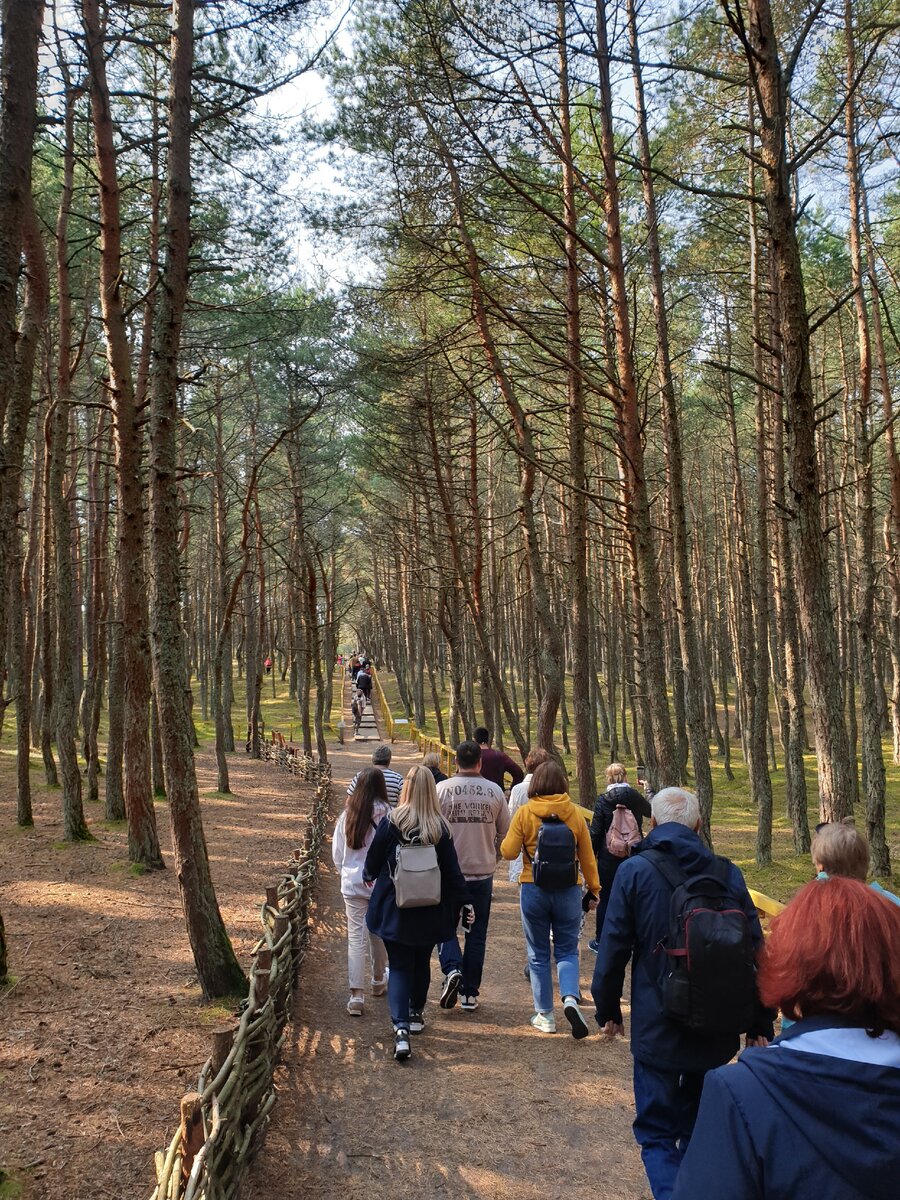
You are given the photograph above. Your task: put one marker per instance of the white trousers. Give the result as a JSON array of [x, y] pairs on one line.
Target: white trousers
[[357, 936]]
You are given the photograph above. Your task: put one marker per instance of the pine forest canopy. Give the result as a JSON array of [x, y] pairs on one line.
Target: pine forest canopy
[[584, 430]]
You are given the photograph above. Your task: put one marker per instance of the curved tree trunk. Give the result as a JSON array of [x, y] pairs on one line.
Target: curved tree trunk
[[217, 967]]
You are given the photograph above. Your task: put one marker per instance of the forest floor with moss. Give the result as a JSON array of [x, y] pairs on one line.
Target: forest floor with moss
[[102, 1026]]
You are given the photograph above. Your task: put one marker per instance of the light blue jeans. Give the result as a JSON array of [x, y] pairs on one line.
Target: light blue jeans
[[545, 910]]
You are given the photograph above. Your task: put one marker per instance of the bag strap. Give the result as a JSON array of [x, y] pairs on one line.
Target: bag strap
[[670, 871], [719, 869]]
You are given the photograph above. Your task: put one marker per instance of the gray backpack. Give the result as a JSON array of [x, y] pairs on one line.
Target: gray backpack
[[416, 876]]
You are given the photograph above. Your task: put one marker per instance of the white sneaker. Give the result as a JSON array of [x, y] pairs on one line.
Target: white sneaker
[[356, 1006], [544, 1022], [468, 1003]]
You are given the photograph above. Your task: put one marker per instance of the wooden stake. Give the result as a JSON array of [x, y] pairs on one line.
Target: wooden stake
[[191, 1130]]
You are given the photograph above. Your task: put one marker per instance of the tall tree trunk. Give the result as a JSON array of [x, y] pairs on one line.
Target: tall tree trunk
[[15, 433], [580, 640], [57, 435], [804, 477], [217, 967], [684, 590], [21, 29], [630, 438], [873, 775], [143, 837]]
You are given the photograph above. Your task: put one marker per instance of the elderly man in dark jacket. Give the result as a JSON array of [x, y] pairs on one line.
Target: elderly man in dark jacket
[[670, 1060]]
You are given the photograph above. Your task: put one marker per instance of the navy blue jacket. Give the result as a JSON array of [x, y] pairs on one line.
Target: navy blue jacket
[[783, 1124], [637, 920], [411, 926]]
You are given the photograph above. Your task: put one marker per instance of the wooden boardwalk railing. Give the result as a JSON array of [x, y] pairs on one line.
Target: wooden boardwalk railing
[[224, 1121], [409, 730]]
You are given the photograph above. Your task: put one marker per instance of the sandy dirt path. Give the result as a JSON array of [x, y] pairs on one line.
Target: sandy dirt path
[[485, 1108]]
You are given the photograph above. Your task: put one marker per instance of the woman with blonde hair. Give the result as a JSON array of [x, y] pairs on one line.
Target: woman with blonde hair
[[411, 933]]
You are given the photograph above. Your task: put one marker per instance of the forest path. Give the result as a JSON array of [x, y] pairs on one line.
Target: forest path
[[485, 1108]]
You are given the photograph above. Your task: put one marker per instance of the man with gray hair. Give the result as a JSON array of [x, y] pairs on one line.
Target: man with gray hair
[[670, 1057], [393, 780]]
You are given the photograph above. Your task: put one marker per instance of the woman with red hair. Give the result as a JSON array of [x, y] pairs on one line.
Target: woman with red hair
[[817, 1114]]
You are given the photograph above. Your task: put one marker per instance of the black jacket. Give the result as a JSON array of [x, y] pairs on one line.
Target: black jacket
[[605, 806], [411, 926]]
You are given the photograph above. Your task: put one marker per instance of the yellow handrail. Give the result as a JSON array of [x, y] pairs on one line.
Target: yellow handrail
[[428, 745], [765, 905]]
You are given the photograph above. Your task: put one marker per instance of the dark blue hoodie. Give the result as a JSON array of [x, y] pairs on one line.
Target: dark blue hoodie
[[637, 920], [783, 1124]]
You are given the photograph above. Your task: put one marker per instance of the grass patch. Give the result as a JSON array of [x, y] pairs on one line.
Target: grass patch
[[221, 1010], [11, 1187]]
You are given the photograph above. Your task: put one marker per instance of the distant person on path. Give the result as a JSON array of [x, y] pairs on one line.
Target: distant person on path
[[475, 809], [817, 1114], [618, 791], [433, 763], [353, 834], [356, 711], [364, 684], [839, 848], [393, 780], [354, 667], [551, 831], [494, 763], [670, 1059], [410, 934]]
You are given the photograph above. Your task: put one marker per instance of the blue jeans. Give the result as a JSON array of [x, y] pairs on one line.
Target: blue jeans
[[665, 1104], [408, 980], [558, 910], [470, 960]]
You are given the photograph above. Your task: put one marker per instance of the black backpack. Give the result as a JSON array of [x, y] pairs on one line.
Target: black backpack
[[554, 864], [710, 986]]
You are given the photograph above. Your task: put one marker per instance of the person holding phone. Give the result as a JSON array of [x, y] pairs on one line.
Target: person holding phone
[[618, 791]]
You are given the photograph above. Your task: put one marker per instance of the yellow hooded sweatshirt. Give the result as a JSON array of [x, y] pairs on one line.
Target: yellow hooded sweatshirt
[[524, 829]]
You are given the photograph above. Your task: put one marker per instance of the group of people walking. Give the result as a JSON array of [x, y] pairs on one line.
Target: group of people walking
[[417, 860]]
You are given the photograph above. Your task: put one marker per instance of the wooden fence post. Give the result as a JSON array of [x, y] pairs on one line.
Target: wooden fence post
[[191, 1130]]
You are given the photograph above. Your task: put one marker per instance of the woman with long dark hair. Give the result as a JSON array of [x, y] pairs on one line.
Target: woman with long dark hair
[[353, 835]]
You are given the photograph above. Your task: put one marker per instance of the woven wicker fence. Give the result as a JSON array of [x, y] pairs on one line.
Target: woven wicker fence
[[224, 1121]]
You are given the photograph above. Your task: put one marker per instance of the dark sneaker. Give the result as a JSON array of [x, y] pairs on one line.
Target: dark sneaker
[[451, 989], [401, 1044], [416, 1021], [593, 945], [468, 1003], [575, 1018]]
